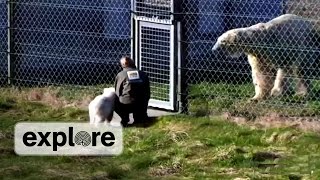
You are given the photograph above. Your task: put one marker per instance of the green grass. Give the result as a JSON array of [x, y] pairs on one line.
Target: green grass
[[160, 91], [74, 93], [209, 99], [234, 99], [175, 147]]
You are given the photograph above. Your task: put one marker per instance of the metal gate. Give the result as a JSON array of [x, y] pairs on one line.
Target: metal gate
[[155, 49]]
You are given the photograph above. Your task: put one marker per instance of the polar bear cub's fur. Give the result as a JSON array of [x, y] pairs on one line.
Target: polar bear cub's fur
[[102, 106]]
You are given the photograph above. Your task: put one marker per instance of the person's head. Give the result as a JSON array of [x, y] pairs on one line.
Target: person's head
[[127, 62]]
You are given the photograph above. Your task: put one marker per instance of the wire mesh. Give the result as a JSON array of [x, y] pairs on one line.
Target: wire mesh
[[155, 60], [79, 42], [69, 42], [228, 84], [3, 44], [154, 9]]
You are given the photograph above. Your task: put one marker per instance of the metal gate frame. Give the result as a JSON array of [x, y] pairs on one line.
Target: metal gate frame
[[171, 104], [171, 21]]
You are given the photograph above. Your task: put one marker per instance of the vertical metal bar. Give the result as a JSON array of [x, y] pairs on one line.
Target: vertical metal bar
[[172, 68], [138, 44], [176, 58], [136, 35], [172, 10], [182, 84], [182, 89], [9, 43], [179, 66], [133, 32]]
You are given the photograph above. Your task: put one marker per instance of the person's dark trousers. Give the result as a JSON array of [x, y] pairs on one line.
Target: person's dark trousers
[[123, 110], [140, 112]]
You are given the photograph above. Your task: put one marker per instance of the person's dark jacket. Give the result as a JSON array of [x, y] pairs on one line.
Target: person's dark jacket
[[131, 89]]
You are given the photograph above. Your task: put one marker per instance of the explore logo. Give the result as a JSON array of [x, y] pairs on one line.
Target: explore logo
[[67, 139]]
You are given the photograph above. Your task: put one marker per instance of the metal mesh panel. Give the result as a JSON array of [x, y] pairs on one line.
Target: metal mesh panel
[[220, 83], [3, 40], [155, 57], [159, 9], [70, 42]]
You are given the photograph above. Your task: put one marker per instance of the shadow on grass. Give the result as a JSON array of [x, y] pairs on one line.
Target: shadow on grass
[[150, 122]]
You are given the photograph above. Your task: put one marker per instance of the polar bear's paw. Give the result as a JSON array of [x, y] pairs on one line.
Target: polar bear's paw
[[302, 94], [276, 91], [256, 98], [302, 88]]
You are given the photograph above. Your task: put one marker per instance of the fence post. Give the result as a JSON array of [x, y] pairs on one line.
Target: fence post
[[182, 84], [133, 33], [9, 41], [181, 60]]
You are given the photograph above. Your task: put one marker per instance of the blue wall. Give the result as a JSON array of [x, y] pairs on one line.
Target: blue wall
[[80, 41], [206, 20], [72, 41]]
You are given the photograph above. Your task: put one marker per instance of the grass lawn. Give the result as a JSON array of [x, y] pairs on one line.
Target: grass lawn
[[222, 97], [175, 147]]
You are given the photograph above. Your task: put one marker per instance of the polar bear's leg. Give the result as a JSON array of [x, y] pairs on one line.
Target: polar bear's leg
[[265, 79], [303, 85], [254, 72], [261, 77], [279, 83], [257, 89]]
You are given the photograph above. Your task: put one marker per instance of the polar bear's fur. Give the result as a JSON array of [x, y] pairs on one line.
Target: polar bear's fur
[[277, 48], [102, 106]]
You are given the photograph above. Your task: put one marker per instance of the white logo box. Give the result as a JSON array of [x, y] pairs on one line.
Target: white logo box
[[67, 139]]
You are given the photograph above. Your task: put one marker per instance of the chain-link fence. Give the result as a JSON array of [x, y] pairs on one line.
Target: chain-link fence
[[68, 42], [3, 42], [79, 42], [285, 58]]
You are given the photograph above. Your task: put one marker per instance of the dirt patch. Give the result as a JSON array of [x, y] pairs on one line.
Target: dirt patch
[[262, 156], [10, 170], [303, 123], [6, 135], [63, 174], [50, 96], [6, 151], [164, 171], [81, 104], [274, 120], [100, 176], [46, 97]]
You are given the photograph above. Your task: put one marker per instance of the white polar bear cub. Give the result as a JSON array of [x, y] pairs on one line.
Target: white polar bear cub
[[101, 107]]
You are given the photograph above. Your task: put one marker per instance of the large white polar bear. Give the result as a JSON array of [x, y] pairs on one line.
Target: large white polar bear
[[286, 45], [102, 106]]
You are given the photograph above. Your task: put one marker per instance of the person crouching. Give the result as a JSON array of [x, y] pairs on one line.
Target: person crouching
[[132, 87]]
